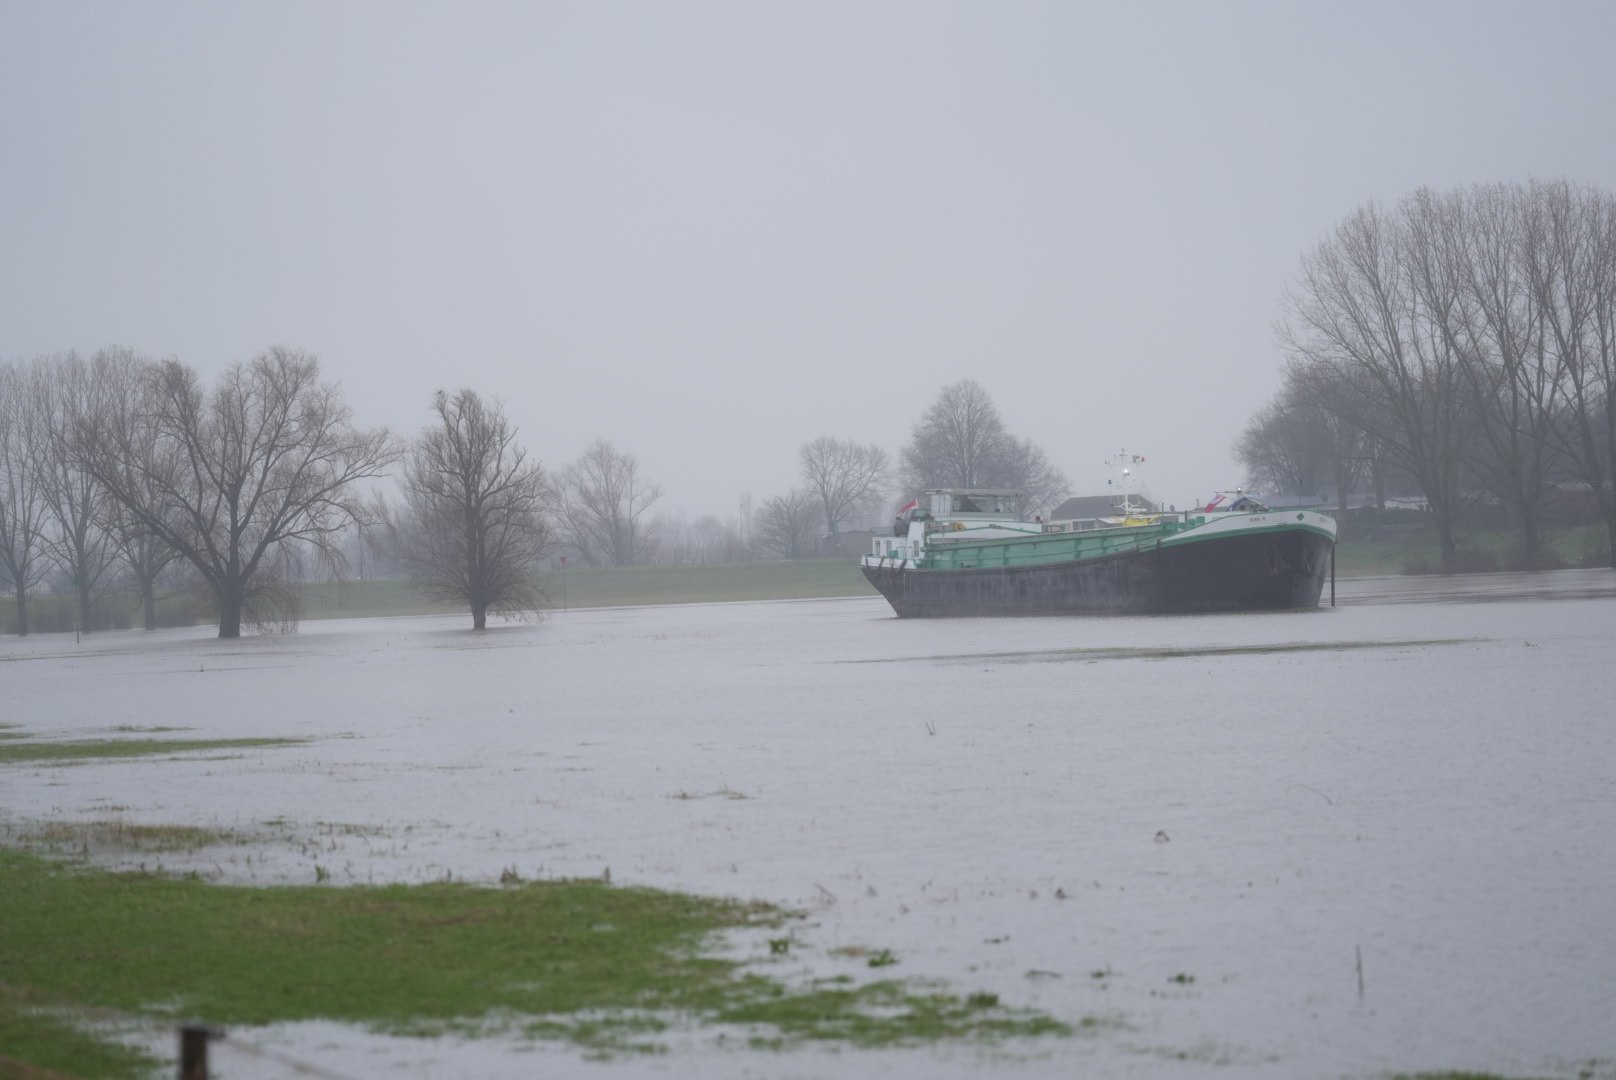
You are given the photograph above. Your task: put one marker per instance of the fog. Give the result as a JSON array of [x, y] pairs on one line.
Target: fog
[[712, 232]]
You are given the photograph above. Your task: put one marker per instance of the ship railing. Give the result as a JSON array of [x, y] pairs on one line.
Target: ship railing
[[986, 554]]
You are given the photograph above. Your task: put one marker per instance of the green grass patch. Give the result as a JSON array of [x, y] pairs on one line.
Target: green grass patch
[[863, 1016], [1412, 548], [15, 752], [49, 1038], [600, 965]]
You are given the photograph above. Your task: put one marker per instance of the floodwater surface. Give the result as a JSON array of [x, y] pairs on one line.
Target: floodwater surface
[[1334, 843]]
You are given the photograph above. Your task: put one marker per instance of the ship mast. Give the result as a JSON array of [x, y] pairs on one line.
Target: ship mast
[[1123, 461]]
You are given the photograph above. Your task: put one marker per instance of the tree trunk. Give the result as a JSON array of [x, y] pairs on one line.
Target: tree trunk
[[84, 607], [1531, 542], [22, 613], [479, 616], [148, 604], [1444, 539], [230, 612]]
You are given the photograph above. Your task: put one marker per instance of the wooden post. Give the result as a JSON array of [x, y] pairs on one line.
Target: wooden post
[[1332, 575], [193, 1053]]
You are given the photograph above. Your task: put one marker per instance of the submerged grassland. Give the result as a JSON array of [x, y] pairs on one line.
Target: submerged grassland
[[603, 966], [18, 751]]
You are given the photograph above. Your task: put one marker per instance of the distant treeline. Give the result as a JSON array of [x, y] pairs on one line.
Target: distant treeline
[[146, 494], [1459, 346]]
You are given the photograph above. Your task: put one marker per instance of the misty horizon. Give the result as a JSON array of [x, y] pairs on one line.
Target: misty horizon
[[712, 233]]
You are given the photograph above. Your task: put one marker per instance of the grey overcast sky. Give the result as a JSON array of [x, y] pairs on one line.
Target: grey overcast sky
[[711, 232]]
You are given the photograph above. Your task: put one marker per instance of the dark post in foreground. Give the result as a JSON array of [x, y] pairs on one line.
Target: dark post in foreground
[[194, 1052]]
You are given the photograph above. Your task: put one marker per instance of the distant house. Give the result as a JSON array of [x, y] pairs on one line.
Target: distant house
[[1296, 502], [1089, 507], [845, 542]]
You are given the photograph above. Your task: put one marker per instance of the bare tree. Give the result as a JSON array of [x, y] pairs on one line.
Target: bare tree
[[1281, 451], [1027, 469], [602, 500], [1573, 275], [1364, 328], [1297, 444], [24, 507], [125, 385], [68, 395], [478, 510], [785, 524], [959, 441], [745, 517], [266, 462], [842, 475], [715, 540], [1516, 381]]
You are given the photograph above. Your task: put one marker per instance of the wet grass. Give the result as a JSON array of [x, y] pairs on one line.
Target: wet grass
[[599, 965], [23, 752], [36, 1036], [117, 836], [1093, 655]]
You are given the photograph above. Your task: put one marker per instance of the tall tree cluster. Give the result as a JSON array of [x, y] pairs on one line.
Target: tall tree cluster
[[1468, 339], [603, 499], [238, 478], [56, 515], [117, 467]]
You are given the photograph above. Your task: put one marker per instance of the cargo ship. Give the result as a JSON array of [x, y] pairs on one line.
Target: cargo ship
[[970, 552]]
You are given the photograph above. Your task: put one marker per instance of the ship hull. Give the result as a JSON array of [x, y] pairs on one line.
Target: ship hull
[[1275, 570]]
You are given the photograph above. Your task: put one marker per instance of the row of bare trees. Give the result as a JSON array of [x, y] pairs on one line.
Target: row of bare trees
[[116, 465], [120, 468], [1463, 340]]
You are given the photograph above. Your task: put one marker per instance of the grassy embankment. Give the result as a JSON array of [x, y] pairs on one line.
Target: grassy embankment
[[1368, 549], [1364, 550], [617, 587]]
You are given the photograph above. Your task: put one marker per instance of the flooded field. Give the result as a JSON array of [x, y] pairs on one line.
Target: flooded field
[[1338, 843]]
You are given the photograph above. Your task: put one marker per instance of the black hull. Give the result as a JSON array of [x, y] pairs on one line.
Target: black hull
[[1268, 571]]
